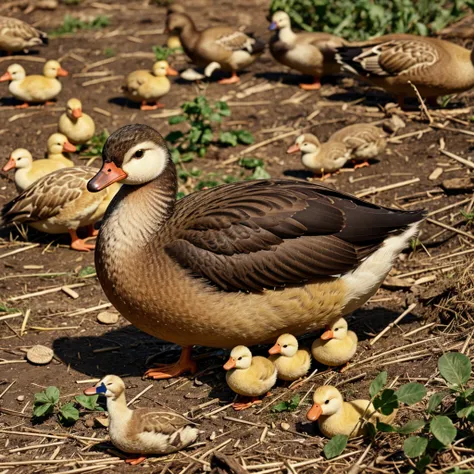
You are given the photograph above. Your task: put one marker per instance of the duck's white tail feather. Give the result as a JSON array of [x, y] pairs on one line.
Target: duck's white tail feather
[[364, 281]]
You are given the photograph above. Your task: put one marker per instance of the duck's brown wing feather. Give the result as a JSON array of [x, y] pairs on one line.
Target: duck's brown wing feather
[[270, 233], [158, 421], [46, 197]]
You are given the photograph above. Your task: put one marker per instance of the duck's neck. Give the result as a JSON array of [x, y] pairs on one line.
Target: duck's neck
[[286, 35], [309, 159], [137, 213], [117, 407], [189, 35], [56, 156]]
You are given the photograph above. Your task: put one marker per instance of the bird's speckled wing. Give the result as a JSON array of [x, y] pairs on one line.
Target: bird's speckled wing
[[18, 29], [158, 421]]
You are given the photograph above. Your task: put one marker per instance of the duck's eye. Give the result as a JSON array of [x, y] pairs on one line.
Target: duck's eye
[[18, 159], [337, 329], [285, 346], [240, 358], [138, 154], [326, 402]]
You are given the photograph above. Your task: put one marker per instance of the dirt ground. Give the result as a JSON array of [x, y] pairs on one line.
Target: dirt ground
[[437, 276]]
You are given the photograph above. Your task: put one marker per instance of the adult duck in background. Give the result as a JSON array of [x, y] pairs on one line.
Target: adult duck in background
[[232, 49], [436, 67], [16, 35], [309, 53], [237, 264]]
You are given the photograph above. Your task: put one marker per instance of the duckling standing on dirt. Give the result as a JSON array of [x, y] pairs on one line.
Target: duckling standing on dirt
[[249, 376], [78, 127], [336, 346], [290, 362], [337, 417], [57, 145], [144, 430]]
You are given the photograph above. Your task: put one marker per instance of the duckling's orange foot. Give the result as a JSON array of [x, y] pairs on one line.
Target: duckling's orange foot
[[239, 406], [146, 106], [234, 79], [135, 461], [25, 105], [344, 367], [49, 102], [315, 86], [361, 165], [185, 364]]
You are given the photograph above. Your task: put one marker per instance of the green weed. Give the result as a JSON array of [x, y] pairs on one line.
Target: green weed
[[72, 25]]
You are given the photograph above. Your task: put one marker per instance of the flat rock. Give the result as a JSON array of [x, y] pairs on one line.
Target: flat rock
[[107, 317], [458, 184], [40, 355]]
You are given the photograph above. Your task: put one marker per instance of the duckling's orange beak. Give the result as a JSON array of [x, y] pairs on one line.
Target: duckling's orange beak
[[230, 364], [326, 335], [90, 391], [171, 72], [11, 164], [69, 147], [314, 412], [109, 173], [6, 77], [76, 113], [62, 72], [276, 349], [293, 148]]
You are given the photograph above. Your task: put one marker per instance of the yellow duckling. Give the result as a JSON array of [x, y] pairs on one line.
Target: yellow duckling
[[57, 145], [337, 417], [249, 376], [27, 170], [290, 362], [141, 86], [144, 430], [34, 88], [75, 124], [336, 346]]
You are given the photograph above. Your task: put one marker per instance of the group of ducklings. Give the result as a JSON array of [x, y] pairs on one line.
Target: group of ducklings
[[253, 377]]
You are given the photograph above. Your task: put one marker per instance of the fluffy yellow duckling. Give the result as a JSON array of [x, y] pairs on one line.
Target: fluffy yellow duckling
[[57, 145], [336, 346], [290, 362], [75, 124], [27, 170], [144, 430], [249, 376], [337, 417], [141, 86], [34, 88]]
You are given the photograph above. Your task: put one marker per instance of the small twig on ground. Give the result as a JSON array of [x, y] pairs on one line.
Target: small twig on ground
[[390, 326], [423, 108]]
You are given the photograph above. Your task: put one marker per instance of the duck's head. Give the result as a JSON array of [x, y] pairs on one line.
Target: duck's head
[[53, 69], [286, 345], [175, 8], [337, 330], [74, 108], [19, 158], [306, 143], [240, 358], [327, 400], [280, 20], [15, 72], [134, 155], [111, 386], [162, 68], [177, 22], [58, 143]]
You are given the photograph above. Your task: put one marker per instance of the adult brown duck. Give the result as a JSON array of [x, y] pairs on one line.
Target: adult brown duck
[[237, 264]]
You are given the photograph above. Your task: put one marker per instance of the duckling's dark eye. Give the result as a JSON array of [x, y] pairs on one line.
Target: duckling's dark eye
[[337, 329], [138, 154], [286, 345], [240, 358], [326, 402]]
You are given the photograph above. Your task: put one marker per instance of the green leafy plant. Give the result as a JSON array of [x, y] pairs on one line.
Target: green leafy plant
[[162, 53], [72, 24], [469, 216], [46, 403], [85, 271], [94, 146], [290, 405], [257, 166], [362, 19], [109, 52], [201, 118]]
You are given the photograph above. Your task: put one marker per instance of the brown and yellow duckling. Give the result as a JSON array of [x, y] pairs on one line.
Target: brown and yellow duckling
[[16, 35], [291, 363]]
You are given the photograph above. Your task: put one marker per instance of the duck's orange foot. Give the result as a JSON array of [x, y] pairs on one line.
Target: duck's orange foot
[[49, 102], [92, 231], [135, 461], [185, 364], [344, 367], [296, 384], [239, 406], [315, 86], [79, 244], [361, 165], [146, 106], [234, 79], [25, 105]]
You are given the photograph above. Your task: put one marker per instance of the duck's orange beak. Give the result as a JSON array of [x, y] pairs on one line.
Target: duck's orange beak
[[76, 113], [293, 148], [6, 77], [69, 147], [230, 364], [276, 349], [314, 412], [90, 391], [62, 72], [109, 173], [11, 164], [171, 72], [326, 335]]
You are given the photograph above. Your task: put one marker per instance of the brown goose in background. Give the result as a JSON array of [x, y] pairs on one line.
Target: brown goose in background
[[237, 264], [232, 49], [16, 35]]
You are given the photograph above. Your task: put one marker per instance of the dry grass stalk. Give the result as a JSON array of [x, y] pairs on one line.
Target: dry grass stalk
[[424, 110], [10, 316], [136, 397], [23, 249], [393, 323], [462, 160], [388, 187], [34, 446], [45, 292], [94, 82], [452, 229]]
